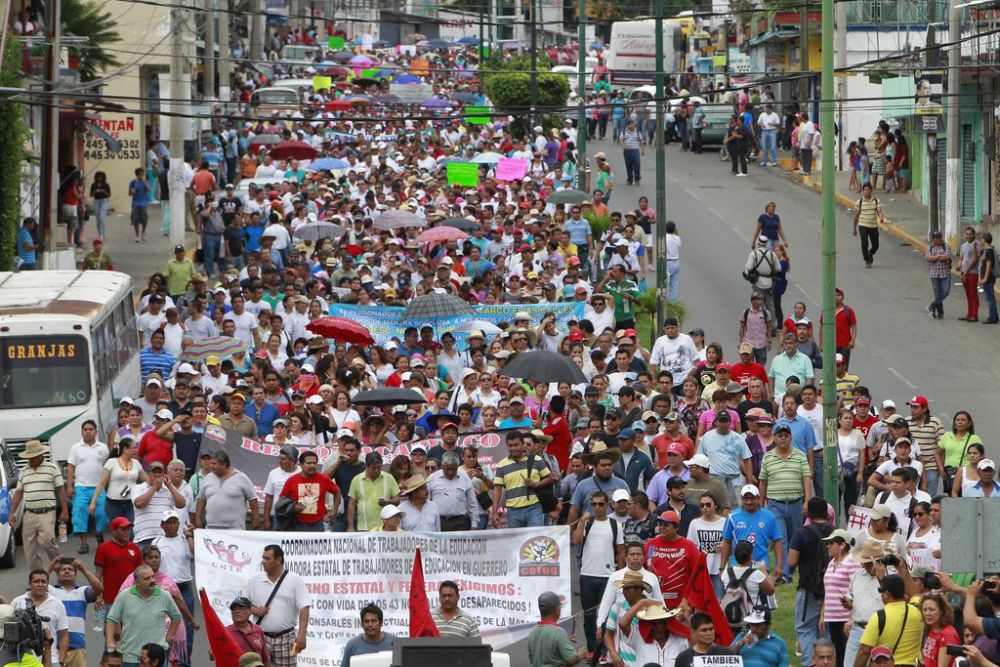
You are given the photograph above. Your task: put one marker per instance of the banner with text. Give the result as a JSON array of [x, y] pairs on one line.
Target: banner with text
[[500, 575], [384, 322], [256, 459]]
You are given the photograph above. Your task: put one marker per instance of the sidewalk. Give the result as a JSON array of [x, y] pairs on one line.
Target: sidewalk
[[139, 260]]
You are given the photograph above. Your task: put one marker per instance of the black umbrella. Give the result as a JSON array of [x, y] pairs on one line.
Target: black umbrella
[[544, 367], [387, 396], [342, 56], [466, 225]]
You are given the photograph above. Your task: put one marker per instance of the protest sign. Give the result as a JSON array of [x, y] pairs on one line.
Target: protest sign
[[256, 458], [858, 520], [463, 173], [411, 93], [511, 169], [384, 322], [370, 73], [499, 573], [717, 661], [322, 82], [335, 43], [476, 115]]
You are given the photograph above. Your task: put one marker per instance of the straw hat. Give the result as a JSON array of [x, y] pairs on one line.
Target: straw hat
[[869, 552], [413, 484], [656, 612], [600, 447], [633, 579], [32, 449]]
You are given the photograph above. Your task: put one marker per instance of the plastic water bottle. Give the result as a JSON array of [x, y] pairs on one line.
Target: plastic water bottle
[[63, 532], [100, 616]]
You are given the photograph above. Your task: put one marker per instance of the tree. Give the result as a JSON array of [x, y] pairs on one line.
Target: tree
[[12, 135], [511, 93], [86, 19]]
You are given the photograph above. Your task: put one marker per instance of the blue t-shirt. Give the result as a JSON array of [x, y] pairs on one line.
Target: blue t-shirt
[[510, 422], [759, 529], [724, 451], [587, 487], [24, 239], [264, 417], [769, 225], [578, 231], [140, 193]]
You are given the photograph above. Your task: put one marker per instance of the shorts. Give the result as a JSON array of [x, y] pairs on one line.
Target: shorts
[[81, 517], [68, 214], [140, 216], [903, 173]]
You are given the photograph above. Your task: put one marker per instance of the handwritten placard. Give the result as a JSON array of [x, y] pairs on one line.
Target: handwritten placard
[[322, 82], [335, 43], [511, 169], [463, 173]]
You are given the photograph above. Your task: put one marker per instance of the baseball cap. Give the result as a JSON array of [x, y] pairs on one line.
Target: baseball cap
[[390, 511], [669, 516], [897, 419], [862, 400], [986, 464], [782, 427], [120, 522], [315, 399], [675, 448], [745, 348], [699, 460], [168, 515], [840, 534], [650, 415], [880, 512], [626, 434], [918, 400], [241, 601], [723, 367], [212, 360], [186, 369], [758, 616], [888, 403], [839, 358], [676, 482], [164, 414], [620, 494], [723, 416], [880, 652], [749, 489], [548, 602], [179, 247], [289, 451]]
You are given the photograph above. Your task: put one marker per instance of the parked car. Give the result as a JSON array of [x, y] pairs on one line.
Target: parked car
[[8, 480]]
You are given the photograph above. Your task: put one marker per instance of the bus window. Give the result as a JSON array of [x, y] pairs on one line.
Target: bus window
[[39, 371]]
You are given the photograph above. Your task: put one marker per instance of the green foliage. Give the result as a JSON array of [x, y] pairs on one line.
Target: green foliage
[[494, 64], [86, 19], [511, 93], [598, 224], [647, 306], [12, 136]]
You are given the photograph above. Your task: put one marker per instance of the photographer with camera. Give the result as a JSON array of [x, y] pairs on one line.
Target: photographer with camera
[[52, 614]]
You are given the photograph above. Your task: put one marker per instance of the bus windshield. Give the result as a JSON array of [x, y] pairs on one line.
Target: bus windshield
[[40, 371]]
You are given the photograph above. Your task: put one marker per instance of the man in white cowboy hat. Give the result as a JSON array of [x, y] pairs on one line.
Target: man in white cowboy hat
[[757, 645], [630, 589], [41, 488], [421, 513], [663, 646], [863, 596]]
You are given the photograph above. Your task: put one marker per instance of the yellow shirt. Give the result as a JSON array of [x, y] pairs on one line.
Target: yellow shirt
[[906, 638]]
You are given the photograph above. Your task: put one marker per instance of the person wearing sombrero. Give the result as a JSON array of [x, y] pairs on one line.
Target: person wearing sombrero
[[655, 639], [41, 487], [631, 588], [757, 645], [421, 513]]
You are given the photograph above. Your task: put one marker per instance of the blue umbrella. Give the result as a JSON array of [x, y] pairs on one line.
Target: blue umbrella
[[435, 103], [470, 40], [381, 44], [407, 78], [327, 164]]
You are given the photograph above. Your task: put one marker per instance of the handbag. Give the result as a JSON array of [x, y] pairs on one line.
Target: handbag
[[546, 495]]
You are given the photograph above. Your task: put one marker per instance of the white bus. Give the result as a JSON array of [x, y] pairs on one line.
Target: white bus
[[631, 55], [69, 350]]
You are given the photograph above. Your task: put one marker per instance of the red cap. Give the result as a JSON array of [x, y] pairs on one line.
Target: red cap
[[523, 204], [573, 260], [723, 367], [862, 400], [669, 516], [880, 652], [575, 335], [120, 522], [675, 448], [629, 332], [918, 400]]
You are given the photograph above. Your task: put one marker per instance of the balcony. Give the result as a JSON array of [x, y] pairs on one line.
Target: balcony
[[879, 13]]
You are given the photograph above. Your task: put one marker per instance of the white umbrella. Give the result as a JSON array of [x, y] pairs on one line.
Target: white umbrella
[[487, 158], [487, 328]]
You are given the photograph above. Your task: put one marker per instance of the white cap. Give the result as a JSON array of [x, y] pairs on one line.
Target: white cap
[[315, 399], [699, 460], [888, 403], [398, 409], [751, 489], [390, 511], [620, 494], [391, 345], [168, 515], [154, 381], [405, 377], [344, 433], [165, 414], [126, 400], [986, 463], [186, 369]]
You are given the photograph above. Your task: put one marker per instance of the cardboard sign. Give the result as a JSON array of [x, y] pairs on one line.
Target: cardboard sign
[[463, 173], [511, 169], [322, 82]]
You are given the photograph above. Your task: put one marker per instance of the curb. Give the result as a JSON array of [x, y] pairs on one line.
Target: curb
[[889, 226]]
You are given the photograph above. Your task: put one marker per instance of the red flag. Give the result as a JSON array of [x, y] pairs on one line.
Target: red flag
[[701, 596], [421, 623], [224, 647]]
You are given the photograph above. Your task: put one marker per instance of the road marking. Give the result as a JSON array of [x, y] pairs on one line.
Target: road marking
[[691, 192], [741, 234], [901, 378], [802, 289]]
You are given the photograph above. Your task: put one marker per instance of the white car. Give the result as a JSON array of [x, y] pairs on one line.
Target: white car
[[8, 480]]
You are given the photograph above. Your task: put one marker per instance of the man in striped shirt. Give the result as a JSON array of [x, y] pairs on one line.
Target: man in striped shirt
[[155, 357], [450, 620], [785, 482], [926, 432], [75, 599], [41, 487]]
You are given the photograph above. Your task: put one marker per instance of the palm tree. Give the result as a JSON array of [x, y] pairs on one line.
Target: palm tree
[[648, 304], [86, 19]]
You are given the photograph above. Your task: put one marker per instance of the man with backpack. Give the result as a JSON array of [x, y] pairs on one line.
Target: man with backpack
[[761, 267], [603, 552], [899, 626], [867, 217], [808, 551]]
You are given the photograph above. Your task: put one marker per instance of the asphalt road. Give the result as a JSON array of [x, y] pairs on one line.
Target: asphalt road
[[901, 350]]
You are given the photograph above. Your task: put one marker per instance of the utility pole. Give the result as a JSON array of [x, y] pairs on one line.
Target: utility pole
[[932, 59], [175, 177], [841, 57], [533, 112], [50, 175], [953, 166], [831, 469], [225, 53], [661, 175], [804, 56], [581, 96], [209, 55], [254, 20], [482, 19]]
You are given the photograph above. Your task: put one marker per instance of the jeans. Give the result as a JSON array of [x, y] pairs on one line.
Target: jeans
[[932, 477], [591, 591], [187, 592], [681, 128], [941, 288], [617, 128], [991, 298], [696, 140], [853, 644], [789, 516], [632, 165], [211, 245], [971, 284], [531, 516], [717, 586], [738, 156], [817, 455], [101, 213], [806, 158], [769, 140], [850, 494], [869, 243], [602, 125], [807, 608], [760, 355], [732, 482], [674, 272]]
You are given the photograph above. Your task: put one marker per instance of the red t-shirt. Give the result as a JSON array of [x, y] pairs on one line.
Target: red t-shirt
[[674, 564], [153, 448], [742, 373], [118, 562], [864, 425], [843, 322], [559, 447], [935, 640], [661, 442], [310, 491]]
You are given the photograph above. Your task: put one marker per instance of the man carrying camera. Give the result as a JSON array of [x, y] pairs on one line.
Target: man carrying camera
[[53, 615]]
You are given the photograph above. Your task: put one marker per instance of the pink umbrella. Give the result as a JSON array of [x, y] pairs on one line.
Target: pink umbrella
[[441, 234]]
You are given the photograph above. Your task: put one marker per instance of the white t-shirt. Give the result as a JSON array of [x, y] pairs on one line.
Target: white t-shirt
[[283, 612], [245, 324], [814, 417], [769, 121], [850, 446], [598, 551], [886, 468], [753, 582], [707, 536], [89, 461], [807, 134], [654, 653], [677, 356], [276, 482], [175, 557], [601, 321], [148, 323], [53, 609], [901, 508]]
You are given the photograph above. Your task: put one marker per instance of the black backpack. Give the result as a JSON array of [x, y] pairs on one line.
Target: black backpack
[[736, 603], [820, 560]]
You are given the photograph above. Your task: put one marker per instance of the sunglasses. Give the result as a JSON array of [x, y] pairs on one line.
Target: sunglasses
[[598, 504], [706, 504]]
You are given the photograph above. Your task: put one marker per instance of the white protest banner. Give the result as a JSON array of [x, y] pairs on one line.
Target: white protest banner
[[858, 520], [717, 661], [500, 574]]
